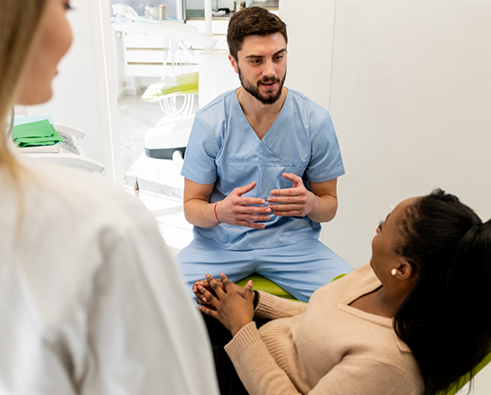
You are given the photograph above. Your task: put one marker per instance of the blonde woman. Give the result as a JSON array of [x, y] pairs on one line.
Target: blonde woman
[[90, 299]]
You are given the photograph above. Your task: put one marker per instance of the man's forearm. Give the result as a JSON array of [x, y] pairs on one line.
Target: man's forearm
[[325, 208], [200, 213]]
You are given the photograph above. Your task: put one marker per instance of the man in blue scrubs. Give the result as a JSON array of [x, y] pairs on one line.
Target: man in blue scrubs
[[260, 171]]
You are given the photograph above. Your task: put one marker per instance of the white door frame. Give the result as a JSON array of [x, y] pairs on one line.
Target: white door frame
[[107, 88]]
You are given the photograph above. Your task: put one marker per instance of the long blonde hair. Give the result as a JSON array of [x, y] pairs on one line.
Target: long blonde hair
[[20, 21]]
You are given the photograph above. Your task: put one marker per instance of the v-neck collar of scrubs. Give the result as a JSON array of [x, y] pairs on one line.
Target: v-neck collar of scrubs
[[274, 132]]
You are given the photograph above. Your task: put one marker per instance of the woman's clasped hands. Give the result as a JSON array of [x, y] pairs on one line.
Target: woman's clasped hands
[[229, 303]]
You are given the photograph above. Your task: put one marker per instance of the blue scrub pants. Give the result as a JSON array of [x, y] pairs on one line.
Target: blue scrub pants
[[300, 268]]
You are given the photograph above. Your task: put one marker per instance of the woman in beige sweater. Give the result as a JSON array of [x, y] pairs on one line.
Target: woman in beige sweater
[[409, 322]]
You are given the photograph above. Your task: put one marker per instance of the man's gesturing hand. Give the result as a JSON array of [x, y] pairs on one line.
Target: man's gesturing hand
[[294, 202], [238, 210]]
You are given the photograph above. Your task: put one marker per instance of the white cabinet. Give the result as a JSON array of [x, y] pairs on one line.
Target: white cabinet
[[147, 49], [219, 27]]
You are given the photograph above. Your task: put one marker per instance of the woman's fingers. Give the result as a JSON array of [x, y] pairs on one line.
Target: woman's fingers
[[197, 293], [226, 282], [208, 311], [216, 287], [199, 282], [207, 297], [230, 286], [248, 291], [200, 299]]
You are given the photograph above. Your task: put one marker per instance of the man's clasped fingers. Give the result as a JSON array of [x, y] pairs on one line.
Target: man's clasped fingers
[[285, 192], [287, 207], [240, 209], [246, 216], [297, 199], [246, 201], [288, 210], [254, 217], [289, 213]]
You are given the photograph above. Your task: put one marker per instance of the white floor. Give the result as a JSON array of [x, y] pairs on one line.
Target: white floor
[[135, 118], [176, 231], [161, 185], [161, 188]]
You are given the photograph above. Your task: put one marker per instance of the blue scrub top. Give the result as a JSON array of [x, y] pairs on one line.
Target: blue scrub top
[[224, 149]]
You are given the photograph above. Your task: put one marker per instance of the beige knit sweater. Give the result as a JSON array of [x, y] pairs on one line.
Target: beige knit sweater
[[326, 347]]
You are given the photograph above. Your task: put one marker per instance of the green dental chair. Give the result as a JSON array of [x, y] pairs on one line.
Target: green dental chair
[[165, 92], [263, 284]]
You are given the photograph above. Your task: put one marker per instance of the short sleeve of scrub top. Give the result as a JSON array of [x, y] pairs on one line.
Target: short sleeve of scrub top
[[326, 162], [224, 149], [199, 164]]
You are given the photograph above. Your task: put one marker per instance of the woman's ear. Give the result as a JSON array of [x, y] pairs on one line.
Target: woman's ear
[[404, 270]]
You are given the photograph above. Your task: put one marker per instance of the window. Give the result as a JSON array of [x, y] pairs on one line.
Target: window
[[139, 6]]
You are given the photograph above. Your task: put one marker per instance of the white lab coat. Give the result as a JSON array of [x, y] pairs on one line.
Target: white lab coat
[[91, 302]]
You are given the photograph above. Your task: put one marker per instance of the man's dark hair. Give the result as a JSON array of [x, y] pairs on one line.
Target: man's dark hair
[[251, 21]]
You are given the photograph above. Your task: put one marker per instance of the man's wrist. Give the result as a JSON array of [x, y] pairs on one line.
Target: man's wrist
[[215, 211], [324, 210], [313, 207]]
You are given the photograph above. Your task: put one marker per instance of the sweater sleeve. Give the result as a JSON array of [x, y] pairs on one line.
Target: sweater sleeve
[[273, 307], [261, 375]]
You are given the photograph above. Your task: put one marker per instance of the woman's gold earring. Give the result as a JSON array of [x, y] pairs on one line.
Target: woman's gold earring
[[393, 272]]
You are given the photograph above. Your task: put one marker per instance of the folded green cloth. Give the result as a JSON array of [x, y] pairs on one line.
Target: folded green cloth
[[35, 134]]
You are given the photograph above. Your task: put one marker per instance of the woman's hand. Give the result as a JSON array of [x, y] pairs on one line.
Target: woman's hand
[[233, 308], [200, 298]]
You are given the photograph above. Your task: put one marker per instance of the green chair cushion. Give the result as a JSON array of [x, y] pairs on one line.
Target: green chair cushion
[[263, 284]]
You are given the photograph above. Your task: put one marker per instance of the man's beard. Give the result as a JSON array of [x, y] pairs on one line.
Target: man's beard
[[254, 90]]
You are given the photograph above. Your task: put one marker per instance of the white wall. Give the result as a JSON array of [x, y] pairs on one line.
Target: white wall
[[310, 41], [84, 95], [410, 100], [411, 103], [199, 4]]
